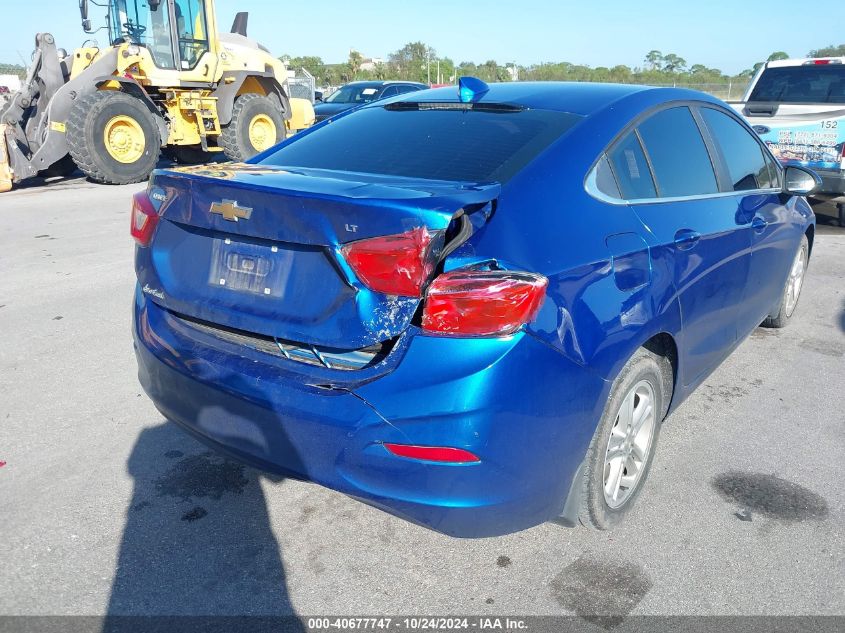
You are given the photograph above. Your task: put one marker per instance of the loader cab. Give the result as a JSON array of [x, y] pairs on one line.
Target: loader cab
[[180, 35]]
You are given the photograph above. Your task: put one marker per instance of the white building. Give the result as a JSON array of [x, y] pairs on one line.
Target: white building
[[12, 82], [370, 63], [367, 63]]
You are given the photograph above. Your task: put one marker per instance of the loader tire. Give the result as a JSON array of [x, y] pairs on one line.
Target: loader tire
[[113, 138], [257, 124]]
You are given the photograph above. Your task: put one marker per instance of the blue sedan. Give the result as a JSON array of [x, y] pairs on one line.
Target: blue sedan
[[473, 307]]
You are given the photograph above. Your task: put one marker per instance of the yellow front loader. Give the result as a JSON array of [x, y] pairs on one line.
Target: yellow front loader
[[167, 81]]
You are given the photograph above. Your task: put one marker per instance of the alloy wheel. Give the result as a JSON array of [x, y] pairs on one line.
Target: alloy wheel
[[795, 281], [629, 444]]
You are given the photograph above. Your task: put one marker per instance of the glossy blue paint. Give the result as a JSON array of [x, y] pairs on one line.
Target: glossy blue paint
[[703, 271]]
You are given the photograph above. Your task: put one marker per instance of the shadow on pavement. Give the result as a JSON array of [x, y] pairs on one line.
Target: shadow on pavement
[[827, 222], [842, 318], [197, 542]]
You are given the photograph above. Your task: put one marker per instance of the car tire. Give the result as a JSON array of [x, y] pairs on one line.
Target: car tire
[[113, 138], [643, 388], [792, 288], [257, 124]]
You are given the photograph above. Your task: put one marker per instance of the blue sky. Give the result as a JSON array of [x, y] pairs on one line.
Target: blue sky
[[730, 35]]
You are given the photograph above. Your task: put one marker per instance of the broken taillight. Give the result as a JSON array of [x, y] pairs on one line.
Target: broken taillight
[[144, 218], [393, 264], [482, 303]]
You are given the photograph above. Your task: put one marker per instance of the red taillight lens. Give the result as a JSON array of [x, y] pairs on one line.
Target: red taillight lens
[[482, 303], [433, 453], [144, 218], [393, 264]]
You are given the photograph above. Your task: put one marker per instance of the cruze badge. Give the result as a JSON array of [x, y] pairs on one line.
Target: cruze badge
[[230, 210]]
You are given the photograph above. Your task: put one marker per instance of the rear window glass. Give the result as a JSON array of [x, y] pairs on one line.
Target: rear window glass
[[439, 144], [801, 84], [605, 182], [678, 155], [631, 169], [741, 152]]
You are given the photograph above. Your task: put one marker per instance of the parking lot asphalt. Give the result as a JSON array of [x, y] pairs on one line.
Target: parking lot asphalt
[[107, 508]]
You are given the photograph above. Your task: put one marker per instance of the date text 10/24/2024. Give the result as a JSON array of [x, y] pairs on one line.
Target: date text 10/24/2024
[[418, 623]]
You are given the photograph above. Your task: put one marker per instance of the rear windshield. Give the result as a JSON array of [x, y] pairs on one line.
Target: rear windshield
[[437, 143], [801, 84]]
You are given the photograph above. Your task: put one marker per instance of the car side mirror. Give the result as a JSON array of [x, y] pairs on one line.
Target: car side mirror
[[800, 181], [318, 96]]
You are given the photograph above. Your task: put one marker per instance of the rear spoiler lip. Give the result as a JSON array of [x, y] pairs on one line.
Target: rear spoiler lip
[[316, 212], [484, 192]]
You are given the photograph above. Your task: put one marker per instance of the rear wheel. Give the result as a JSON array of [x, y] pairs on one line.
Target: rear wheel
[[792, 288], [257, 124], [113, 138], [622, 449]]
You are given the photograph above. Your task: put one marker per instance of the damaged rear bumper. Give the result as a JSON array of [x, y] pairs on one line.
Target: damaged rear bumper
[[525, 410]]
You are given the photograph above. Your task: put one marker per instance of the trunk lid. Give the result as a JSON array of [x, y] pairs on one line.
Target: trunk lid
[[258, 248]]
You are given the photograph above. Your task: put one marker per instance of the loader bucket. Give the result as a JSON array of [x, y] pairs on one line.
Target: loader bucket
[[5, 169], [302, 114]]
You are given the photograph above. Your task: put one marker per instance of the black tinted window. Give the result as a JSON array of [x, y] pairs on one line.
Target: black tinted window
[[801, 84], [432, 142], [678, 155], [741, 152], [631, 169]]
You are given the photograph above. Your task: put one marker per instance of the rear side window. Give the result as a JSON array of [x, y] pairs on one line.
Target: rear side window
[[631, 169], [431, 141], [678, 154], [824, 83], [605, 182], [741, 152]]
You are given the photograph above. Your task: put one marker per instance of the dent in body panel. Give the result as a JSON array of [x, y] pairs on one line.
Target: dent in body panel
[[607, 294], [630, 260]]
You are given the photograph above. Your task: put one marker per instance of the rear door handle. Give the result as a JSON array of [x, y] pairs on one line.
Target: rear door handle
[[685, 239], [758, 224]]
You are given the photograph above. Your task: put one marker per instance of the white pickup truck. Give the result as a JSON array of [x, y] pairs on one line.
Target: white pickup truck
[[797, 106]]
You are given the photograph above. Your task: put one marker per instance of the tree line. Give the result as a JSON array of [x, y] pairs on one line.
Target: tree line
[[13, 69], [417, 61]]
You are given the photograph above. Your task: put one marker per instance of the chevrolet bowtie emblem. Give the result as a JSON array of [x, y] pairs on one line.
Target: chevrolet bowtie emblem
[[230, 210]]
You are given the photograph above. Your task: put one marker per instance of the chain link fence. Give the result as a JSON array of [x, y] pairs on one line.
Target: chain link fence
[[302, 85], [731, 91]]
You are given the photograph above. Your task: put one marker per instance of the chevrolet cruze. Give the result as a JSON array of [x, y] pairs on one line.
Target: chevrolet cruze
[[471, 307]]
